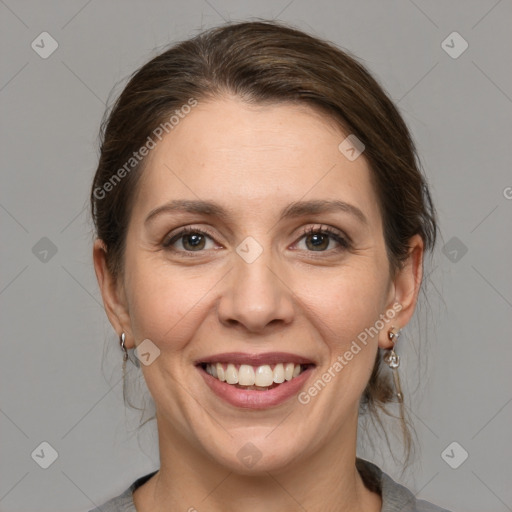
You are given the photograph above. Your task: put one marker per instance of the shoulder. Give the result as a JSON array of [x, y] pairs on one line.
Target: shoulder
[[121, 503], [395, 497], [124, 502]]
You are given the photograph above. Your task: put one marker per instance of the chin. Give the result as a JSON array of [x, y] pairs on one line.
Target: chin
[[259, 453]]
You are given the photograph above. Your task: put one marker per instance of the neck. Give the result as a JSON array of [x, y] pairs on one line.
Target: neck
[[327, 481]]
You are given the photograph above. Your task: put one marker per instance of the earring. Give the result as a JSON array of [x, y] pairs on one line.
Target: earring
[[392, 359], [122, 340]]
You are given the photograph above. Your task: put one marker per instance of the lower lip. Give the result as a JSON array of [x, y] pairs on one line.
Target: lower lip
[[254, 399]]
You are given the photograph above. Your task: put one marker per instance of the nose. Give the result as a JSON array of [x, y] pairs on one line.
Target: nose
[[256, 295]]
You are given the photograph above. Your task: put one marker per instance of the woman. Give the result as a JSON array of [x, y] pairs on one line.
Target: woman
[[261, 226]]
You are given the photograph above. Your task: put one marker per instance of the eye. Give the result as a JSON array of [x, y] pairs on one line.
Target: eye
[[191, 240], [319, 239]]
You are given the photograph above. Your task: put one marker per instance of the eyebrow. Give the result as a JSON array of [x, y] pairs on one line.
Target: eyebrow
[[293, 210]]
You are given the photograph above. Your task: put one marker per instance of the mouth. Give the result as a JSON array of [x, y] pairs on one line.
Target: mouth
[[254, 378], [255, 381]]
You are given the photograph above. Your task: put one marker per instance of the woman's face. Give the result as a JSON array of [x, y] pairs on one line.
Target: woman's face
[[249, 286]]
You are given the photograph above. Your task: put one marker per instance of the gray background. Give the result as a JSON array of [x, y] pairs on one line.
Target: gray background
[[60, 363]]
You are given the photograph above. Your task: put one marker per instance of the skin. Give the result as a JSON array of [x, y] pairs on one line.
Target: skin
[[254, 161]]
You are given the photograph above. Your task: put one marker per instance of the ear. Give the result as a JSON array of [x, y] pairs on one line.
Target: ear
[[406, 284], [113, 294]]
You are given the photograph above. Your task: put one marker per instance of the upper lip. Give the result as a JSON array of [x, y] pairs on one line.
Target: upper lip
[[255, 359]]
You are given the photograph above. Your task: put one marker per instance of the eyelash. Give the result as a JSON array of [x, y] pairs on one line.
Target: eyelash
[[324, 230]]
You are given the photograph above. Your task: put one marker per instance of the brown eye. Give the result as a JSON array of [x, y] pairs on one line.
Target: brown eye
[[192, 240], [318, 239]]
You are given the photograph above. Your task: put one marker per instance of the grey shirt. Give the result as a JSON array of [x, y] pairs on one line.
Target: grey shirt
[[395, 497]]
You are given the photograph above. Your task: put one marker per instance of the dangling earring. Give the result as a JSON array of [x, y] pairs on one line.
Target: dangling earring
[[392, 359], [122, 339]]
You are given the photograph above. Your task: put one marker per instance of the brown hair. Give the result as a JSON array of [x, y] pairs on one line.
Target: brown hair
[[266, 62]]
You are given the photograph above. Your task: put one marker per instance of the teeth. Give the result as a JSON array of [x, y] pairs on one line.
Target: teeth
[[212, 370], [279, 373], [220, 371], [288, 371], [246, 375], [264, 376], [254, 377], [231, 374]]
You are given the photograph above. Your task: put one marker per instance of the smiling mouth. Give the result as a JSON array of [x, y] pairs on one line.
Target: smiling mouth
[[257, 378]]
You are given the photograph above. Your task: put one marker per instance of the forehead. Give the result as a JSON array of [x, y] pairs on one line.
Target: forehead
[[254, 159]]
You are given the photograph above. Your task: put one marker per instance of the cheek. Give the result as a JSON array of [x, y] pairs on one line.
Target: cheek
[[347, 302], [164, 304], [345, 311]]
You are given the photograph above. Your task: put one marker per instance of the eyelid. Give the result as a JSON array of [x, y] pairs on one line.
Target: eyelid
[[329, 230], [339, 236], [180, 232]]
